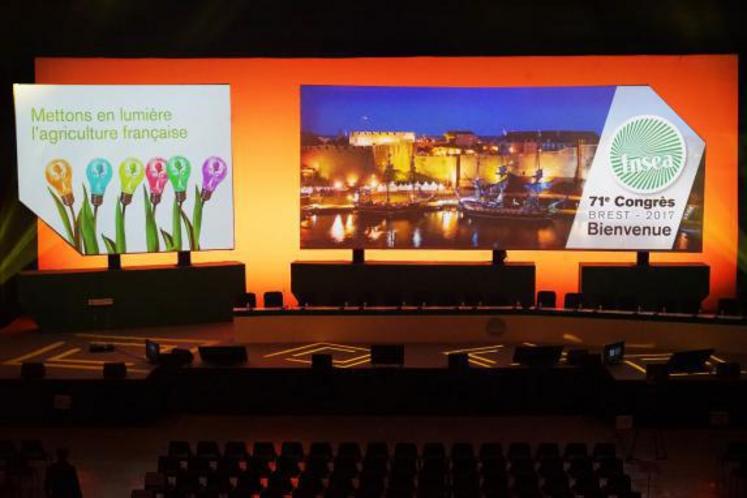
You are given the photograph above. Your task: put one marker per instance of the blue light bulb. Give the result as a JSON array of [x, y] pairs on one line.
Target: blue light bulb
[[99, 174]]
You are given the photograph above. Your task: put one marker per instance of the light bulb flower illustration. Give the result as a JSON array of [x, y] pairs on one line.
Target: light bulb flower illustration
[[155, 172], [131, 173], [178, 169], [99, 174], [214, 171], [59, 175]]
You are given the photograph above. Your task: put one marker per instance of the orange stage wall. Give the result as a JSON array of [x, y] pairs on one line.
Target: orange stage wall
[[266, 119]]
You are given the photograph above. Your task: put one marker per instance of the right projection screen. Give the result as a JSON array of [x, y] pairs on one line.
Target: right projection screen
[[536, 168]]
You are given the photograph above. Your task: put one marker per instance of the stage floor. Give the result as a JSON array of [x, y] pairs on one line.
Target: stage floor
[[67, 356]]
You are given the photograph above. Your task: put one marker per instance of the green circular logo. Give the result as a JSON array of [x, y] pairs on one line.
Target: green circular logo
[[647, 154]]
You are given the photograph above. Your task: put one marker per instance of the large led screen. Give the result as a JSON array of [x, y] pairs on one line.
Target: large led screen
[[117, 169], [585, 167]]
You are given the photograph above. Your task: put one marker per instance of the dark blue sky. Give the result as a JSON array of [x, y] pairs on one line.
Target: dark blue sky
[[327, 110]]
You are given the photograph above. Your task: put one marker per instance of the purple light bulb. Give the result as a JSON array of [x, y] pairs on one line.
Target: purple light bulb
[[214, 170]]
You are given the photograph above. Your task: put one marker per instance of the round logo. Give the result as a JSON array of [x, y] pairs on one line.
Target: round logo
[[647, 154]]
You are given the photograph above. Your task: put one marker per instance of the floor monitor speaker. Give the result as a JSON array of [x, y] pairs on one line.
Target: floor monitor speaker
[[321, 361], [223, 355], [33, 370], [388, 354], [115, 370]]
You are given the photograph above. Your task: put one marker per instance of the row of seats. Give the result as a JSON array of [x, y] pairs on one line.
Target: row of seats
[[733, 479], [545, 300], [405, 470], [22, 468], [29, 450]]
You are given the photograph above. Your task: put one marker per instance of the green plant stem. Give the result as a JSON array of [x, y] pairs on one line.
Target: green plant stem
[[76, 233]]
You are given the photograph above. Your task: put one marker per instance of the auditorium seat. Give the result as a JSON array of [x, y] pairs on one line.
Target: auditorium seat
[[573, 301], [235, 450], [385, 470], [728, 307], [207, 449], [575, 450], [273, 299], [180, 449], [546, 299], [33, 449]]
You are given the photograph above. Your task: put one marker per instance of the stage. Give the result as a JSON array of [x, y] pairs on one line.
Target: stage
[[287, 338], [277, 377]]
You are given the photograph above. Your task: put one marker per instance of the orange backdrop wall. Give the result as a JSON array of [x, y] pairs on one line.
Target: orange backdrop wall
[[266, 146]]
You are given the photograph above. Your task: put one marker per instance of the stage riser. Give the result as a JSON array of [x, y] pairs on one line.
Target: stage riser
[[578, 331]]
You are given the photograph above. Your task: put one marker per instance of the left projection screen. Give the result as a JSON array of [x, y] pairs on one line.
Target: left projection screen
[[117, 169]]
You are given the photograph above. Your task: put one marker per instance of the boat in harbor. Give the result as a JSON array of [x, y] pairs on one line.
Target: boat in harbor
[[494, 200]]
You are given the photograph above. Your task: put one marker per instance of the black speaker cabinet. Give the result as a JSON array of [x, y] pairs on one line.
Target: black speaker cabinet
[[224, 355], [728, 371], [321, 361], [33, 370], [657, 373], [115, 370], [388, 354], [458, 361]]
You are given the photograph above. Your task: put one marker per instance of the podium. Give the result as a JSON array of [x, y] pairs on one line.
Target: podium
[[69, 300], [676, 287], [379, 283]]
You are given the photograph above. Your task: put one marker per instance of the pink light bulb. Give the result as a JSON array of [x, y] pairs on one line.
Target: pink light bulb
[[155, 172], [214, 171]]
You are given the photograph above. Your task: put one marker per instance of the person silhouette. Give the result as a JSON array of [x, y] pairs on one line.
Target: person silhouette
[[62, 479]]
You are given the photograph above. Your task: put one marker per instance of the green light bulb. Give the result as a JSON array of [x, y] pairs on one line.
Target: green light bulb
[[178, 169], [131, 173]]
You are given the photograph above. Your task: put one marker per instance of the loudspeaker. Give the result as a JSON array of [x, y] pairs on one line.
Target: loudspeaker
[[458, 361], [115, 370], [728, 371], [657, 372], [33, 370], [321, 361], [576, 357], [538, 356], [177, 357], [223, 355], [689, 361], [388, 354]]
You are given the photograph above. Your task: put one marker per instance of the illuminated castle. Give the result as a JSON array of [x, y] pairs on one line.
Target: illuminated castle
[[369, 138]]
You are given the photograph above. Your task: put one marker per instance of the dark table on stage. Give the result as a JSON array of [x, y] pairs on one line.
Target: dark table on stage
[[676, 287], [380, 283], [131, 297]]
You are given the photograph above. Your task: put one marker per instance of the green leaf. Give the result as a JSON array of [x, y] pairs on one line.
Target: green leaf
[[87, 226], [63, 216], [197, 217], [119, 227], [176, 227], [168, 240], [190, 231], [151, 232], [111, 247], [76, 232]]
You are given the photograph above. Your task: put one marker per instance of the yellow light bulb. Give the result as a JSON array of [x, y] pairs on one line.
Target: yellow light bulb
[[59, 175], [131, 173]]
